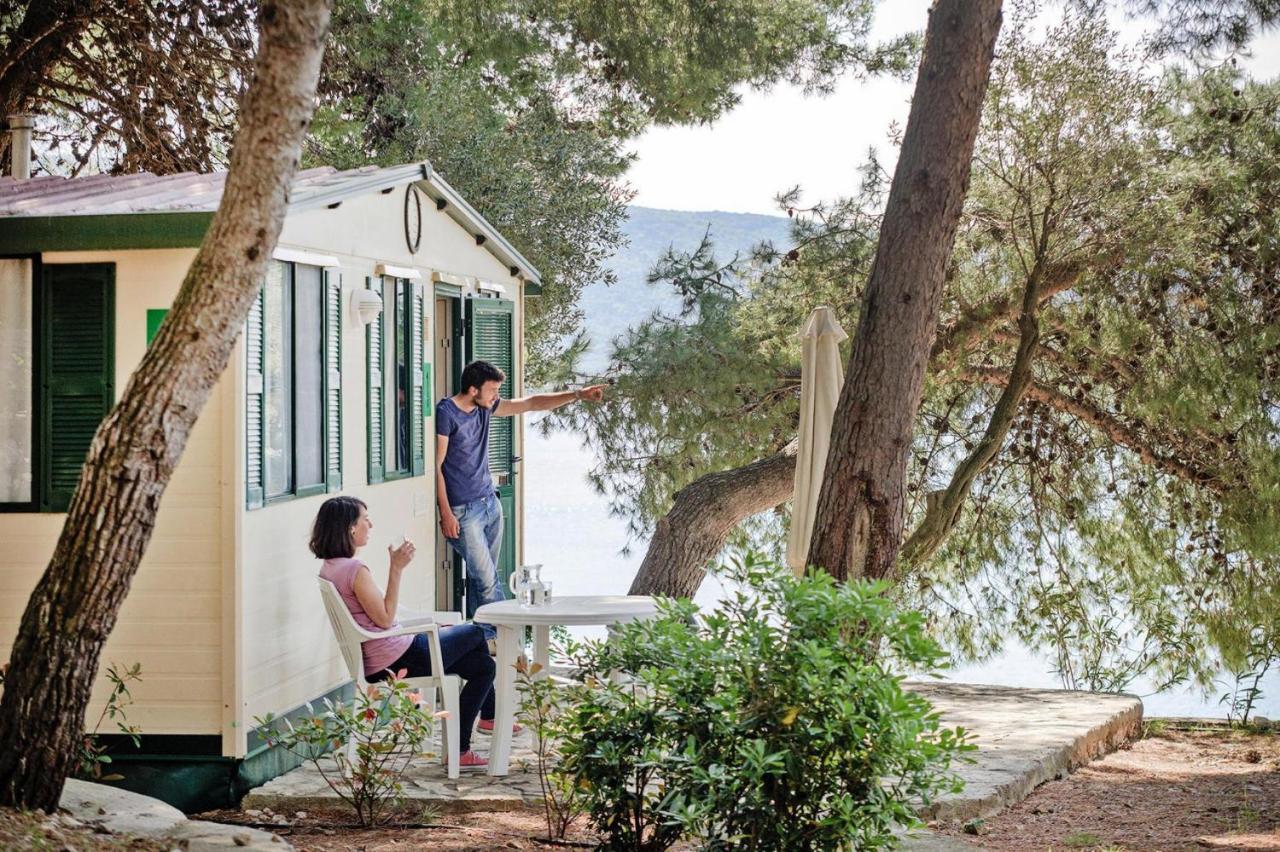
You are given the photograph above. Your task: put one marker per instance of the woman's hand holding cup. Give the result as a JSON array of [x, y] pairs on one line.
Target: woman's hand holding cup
[[401, 553]]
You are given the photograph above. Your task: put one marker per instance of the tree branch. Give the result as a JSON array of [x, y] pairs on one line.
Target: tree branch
[[943, 507], [1131, 437]]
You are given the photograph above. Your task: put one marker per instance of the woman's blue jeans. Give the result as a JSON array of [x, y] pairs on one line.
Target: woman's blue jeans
[[466, 655]]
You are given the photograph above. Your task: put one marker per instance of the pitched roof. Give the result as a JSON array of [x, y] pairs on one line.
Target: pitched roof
[[49, 198]]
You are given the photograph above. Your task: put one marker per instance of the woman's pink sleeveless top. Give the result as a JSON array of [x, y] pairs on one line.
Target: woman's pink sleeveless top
[[378, 653]]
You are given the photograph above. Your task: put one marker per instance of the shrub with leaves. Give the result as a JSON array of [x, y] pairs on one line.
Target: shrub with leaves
[[776, 722], [543, 709], [372, 739]]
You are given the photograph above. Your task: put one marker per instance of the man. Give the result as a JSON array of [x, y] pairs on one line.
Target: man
[[470, 515]]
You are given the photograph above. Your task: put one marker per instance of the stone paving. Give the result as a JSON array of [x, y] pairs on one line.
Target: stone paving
[[1024, 737]]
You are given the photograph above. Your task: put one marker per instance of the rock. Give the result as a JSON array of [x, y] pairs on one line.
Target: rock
[[241, 839]]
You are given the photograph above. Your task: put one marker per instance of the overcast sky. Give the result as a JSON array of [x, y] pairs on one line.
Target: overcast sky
[[775, 140]]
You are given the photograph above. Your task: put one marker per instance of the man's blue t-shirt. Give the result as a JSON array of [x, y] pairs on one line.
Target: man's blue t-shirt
[[466, 461]]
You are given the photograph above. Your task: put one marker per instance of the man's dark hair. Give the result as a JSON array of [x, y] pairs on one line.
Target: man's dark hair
[[331, 535], [475, 374]]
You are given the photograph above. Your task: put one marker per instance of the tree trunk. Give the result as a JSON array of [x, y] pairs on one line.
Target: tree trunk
[[858, 524], [702, 516], [74, 606]]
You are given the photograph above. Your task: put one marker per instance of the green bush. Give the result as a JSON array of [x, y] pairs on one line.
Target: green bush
[[777, 723]]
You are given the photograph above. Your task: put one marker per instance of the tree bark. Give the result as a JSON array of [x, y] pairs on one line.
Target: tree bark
[[75, 605], [858, 526], [702, 516]]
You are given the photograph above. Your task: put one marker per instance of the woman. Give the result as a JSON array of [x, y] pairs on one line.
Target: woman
[[342, 527]]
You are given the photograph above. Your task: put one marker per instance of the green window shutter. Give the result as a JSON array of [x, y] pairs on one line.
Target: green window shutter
[[417, 341], [490, 338], [255, 383], [332, 381], [375, 334], [77, 324]]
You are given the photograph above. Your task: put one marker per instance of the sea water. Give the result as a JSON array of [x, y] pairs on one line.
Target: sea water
[[568, 528]]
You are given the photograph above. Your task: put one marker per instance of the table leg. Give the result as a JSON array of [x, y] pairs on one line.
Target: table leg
[[542, 648], [504, 686]]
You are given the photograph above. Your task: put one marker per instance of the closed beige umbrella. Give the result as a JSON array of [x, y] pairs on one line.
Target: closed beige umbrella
[[821, 377]]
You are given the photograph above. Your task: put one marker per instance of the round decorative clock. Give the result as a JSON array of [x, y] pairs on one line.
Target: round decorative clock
[[412, 218]]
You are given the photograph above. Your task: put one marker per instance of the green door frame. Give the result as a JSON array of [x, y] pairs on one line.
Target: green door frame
[[504, 469]]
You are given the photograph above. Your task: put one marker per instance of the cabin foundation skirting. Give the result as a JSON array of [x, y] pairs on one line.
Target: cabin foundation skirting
[[189, 771]]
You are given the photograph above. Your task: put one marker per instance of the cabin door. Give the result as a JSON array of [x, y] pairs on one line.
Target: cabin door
[[490, 336]]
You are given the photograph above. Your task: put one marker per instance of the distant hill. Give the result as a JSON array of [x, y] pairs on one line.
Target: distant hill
[[612, 310]]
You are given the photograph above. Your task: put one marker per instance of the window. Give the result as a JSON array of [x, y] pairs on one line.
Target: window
[[293, 410], [396, 376], [56, 375]]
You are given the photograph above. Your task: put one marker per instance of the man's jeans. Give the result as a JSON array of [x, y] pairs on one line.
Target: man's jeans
[[479, 541]]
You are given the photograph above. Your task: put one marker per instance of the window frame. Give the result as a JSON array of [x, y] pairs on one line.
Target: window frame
[[401, 324], [294, 491], [396, 321]]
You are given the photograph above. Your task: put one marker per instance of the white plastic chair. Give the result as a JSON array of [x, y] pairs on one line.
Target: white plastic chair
[[350, 636]]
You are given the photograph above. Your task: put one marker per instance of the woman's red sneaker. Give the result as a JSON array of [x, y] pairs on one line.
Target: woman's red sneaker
[[486, 725], [470, 758]]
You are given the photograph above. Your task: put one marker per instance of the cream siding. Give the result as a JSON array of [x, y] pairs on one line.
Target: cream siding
[[288, 654], [171, 621], [224, 615]]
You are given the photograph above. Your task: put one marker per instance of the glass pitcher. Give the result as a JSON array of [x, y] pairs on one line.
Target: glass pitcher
[[526, 584]]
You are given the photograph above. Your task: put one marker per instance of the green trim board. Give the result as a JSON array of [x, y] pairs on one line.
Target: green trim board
[[121, 231], [155, 316]]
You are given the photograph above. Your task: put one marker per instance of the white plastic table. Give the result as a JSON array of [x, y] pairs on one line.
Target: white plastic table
[[510, 617]]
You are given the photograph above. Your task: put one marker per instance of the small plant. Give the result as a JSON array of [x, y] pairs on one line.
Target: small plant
[[543, 711], [93, 755], [974, 826], [1154, 728], [1245, 691], [776, 723], [388, 730], [1082, 839]]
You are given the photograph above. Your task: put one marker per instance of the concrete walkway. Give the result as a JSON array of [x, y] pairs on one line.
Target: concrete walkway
[[1024, 737], [114, 811]]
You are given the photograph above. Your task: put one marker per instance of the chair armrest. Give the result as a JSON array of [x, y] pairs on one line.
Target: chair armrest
[[403, 630], [442, 616]]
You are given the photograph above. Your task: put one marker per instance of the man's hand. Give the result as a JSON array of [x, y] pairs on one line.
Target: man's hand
[[449, 525], [594, 393]]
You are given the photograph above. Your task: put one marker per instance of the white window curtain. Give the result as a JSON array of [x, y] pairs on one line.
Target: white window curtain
[[16, 379]]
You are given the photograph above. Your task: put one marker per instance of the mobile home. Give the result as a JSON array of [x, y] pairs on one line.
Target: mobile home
[[385, 282]]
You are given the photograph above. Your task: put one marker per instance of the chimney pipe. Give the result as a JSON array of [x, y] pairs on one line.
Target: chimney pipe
[[20, 145]]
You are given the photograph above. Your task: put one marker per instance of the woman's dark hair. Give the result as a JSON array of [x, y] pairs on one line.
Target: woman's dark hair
[[475, 374], [331, 535]]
